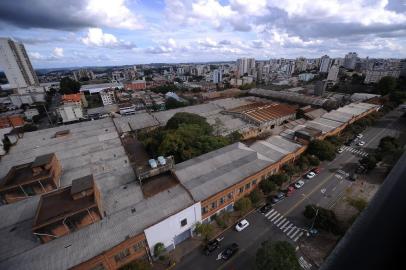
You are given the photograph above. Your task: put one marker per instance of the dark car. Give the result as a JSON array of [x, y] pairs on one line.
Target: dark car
[[278, 197], [360, 169], [229, 251], [316, 170], [289, 191], [265, 209], [211, 246], [353, 177]]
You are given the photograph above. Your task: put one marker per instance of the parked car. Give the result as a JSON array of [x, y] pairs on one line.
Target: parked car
[[316, 170], [312, 232], [241, 225], [265, 209], [289, 191], [310, 175], [360, 169], [299, 184], [278, 197], [359, 136], [229, 251], [361, 143], [152, 163], [340, 150], [212, 246], [161, 160]]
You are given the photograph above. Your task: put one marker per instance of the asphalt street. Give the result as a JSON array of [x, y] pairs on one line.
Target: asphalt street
[[286, 220]]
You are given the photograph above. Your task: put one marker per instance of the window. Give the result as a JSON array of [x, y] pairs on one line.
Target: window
[[205, 210], [255, 181], [230, 195], [100, 266], [247, 186], [138, 246], [214, 205], [222, 200], [119, 257], [183, 222], [241, 189]]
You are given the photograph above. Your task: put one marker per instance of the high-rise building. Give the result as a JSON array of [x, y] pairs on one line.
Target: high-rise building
[[333, 73], [245, 65], [16, 64], [350, 60], [217, 76], [325, 63]]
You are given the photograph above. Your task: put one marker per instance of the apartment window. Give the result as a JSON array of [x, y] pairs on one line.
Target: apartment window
[[183, 222], [254, 182], [214, 205], [222, 200], [241, 189], [230, 195], [122, 255], [247, 186], [205, 210], [138, 246], [100, 266]]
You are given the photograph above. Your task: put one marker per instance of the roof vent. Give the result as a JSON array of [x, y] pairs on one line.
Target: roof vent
[[132, 210], [62, 133]]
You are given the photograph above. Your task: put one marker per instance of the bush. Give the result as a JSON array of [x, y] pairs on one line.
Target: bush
[[325, 219], [267, 186], [137, 265], [369, 162], [280, 255], [243, 205], [279, 178], [313, 160], [358, 203], [159, 248], [206, 230], [220, 221], [255, 196], [290, 169]]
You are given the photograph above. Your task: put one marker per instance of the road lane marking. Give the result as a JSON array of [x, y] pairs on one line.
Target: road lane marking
[[291, 230], [297, 237], [287, 227], [275, 217], [296, 232], [275, 213], [280, 222], [277, 220], [284, 224], [270, 212]]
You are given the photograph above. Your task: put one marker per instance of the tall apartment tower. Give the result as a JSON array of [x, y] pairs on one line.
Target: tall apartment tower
[[245, 65], [217, 76], [325, 63], [350, 60], [16, 64]]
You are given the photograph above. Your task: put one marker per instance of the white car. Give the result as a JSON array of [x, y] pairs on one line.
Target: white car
[[242, 225], [152, 163], [359, 136], [299, 184], [340, 150], [361, 143], [310, 175], [161, 160]]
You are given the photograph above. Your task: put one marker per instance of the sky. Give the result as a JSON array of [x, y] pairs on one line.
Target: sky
[[73, 33]]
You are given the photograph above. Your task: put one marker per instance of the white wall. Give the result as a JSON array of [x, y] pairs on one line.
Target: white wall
[[166, 230]]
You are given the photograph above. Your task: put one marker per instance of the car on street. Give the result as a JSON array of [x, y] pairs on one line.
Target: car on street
[[316, 170], [360, 169], [265, 209], [340, 150], [212, 246], [229, 251], [361, 143], [289, 191], [278, 197], [161, 160], [310, 175], [299, 184], [359, 136], [241, 225], [152, 163]]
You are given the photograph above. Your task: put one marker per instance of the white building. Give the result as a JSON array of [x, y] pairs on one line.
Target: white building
[[325, 63], [16, 64], [174, 229], [305, 77], [71, 111], [333, 73], [373, 76], [30, 113], [30, 98], [107, 96], [83, 73], [350, 60], [217, 76], [245, 65]]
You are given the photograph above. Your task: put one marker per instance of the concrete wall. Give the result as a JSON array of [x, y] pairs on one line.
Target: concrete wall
[[166, 230]]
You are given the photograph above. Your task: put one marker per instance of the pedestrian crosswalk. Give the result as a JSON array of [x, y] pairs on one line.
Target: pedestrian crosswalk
[[285, 225], [304, 264], [354, 151]]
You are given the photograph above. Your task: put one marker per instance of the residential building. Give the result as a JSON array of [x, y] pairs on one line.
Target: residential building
[[30, 113], [320, 87], [13, 121], [127, 108], [325, 63], [373, 76], [29, 98], [245, 65], [29, 179], [305, 77], [83, 74], [71, 108], [136, 85], [350, 60], [217, 76], [16, 64], [108, 96], [333, 73]]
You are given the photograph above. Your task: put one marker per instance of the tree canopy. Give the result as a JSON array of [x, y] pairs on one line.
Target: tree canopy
[[324, 150], [386, 85], [243, 204], [68, 86], [280, 255], [172, 103], [325, 219]]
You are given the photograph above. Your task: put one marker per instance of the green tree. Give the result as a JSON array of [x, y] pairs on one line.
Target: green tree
[[172, 103], [303, 162], [279, 178], [159, 249], [290, 169], [324, 150], [68, 86], [206, 230], [255, 196], [369, 162], [235, 137], [243, 205], [137, 265], [313, 160], [386, 85], [267, 186], [188, 118], [388, 145], [325, 219], [280, 255]]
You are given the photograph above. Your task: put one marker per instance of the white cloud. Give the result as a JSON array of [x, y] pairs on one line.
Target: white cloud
[[97, 38], [58, 52], [36, 56]]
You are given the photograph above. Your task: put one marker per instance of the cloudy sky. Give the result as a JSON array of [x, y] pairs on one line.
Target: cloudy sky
[[113, 32]]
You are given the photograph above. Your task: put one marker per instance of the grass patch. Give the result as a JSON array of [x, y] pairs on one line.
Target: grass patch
[[358, 203]]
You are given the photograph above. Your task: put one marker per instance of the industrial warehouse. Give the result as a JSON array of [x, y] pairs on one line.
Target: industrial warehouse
[[108, 220]]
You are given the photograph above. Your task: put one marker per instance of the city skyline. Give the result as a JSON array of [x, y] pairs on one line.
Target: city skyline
[[101, 33]]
